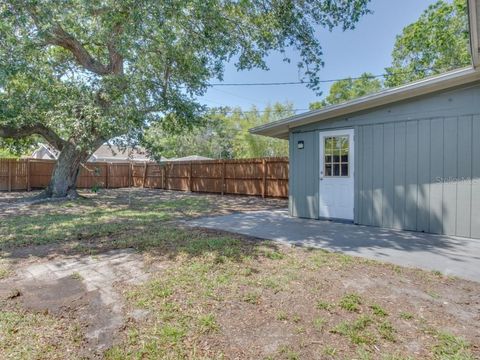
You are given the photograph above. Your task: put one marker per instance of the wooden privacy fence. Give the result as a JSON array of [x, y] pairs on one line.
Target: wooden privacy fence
[[266, 177]]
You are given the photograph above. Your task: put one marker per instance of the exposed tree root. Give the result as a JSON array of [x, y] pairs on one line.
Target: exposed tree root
[[47, 197]]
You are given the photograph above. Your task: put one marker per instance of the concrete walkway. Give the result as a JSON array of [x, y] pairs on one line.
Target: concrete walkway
[[450, 255]]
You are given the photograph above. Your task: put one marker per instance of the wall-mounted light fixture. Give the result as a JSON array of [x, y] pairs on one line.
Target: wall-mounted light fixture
[[300, 144]]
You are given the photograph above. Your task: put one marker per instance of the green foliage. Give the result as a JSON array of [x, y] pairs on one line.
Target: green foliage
[[355, 330], [91, 71], [208, 323], [387, 331], [252, 298], [15, 149], [406, 316], [450, 347], [210, 139], [95, 188], [324, 305], [378, 310], [437, 42], [349, 89], [351, 302], [223, 135], [5, 153]]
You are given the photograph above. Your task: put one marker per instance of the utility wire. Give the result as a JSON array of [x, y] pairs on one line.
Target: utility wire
[[240, 111], [320, 81]]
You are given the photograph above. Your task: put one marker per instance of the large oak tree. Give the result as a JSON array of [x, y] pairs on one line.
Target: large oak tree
[[81, 72]]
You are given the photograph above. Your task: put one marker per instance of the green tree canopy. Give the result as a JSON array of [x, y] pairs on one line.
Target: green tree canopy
[[437, 42], [81, 72], [224, 135], [348, 89], [212, 138]]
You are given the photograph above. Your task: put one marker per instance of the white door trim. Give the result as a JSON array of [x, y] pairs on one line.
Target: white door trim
[[336, 194]]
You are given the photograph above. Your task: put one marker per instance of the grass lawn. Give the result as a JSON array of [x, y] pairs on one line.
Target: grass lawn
[[214, 295]]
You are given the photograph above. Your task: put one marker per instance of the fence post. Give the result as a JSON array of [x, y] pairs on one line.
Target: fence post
[[28, 175], [190, 177], [130, 174], [107, 174], [144, 174], [223, 177], [165, 177], [9, 163], [264, 180]]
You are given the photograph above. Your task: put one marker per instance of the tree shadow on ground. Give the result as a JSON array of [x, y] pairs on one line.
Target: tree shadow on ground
[[168, 241]]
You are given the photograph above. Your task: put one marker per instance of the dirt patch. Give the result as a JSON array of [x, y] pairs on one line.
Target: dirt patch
[[56, 297], [81, 288]]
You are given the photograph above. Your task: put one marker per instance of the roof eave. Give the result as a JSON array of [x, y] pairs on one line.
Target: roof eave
[[280, 129]]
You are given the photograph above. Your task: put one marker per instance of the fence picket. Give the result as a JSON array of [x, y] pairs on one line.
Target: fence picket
[[262, 177]]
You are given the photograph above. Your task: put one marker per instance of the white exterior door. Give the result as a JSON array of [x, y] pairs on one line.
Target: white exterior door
[[336, 174]]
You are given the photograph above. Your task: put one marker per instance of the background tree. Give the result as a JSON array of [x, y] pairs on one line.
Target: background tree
[[437, 42], [81, 72], [213, 139], [224, 135], [246, 145], [348, 89]]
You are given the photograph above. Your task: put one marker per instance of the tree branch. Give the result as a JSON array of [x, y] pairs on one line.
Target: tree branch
[[58, 36], [12, 132], [61, 38], [116, 59]]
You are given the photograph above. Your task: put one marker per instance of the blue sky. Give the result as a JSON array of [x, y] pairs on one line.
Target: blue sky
[[366, 49]]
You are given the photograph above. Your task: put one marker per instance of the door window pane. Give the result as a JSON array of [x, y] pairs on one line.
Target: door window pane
[[328, 169], [336, 156], [336, 169]]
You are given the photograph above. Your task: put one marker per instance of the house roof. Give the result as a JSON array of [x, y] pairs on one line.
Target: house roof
[[51, 152], [281, 128], [112, 152], [192, 158]]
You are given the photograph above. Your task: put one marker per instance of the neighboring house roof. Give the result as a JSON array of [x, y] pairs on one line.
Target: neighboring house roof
[[45, 152], [191, 158], [280, 129], [114, 153], [474, 20], [104, 153]]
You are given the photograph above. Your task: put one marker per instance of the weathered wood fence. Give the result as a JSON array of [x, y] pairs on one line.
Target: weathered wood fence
[[266, 177]]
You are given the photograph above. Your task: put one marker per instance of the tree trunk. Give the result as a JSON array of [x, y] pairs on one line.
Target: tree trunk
[[64, 177]]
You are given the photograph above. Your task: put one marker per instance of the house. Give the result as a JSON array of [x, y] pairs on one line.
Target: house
[[105, 153], [113, 153], [44, 152], [405, 158]]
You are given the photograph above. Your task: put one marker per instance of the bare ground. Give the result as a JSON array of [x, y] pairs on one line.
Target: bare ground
[[171, 292]]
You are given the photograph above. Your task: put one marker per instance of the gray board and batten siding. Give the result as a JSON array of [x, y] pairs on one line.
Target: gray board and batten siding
[[417, 164]]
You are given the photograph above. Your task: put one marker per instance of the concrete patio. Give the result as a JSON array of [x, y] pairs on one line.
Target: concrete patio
[[450, 255]]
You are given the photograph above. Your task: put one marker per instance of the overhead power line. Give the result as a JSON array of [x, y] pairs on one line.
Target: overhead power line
[[320, 81], [241, 111]]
